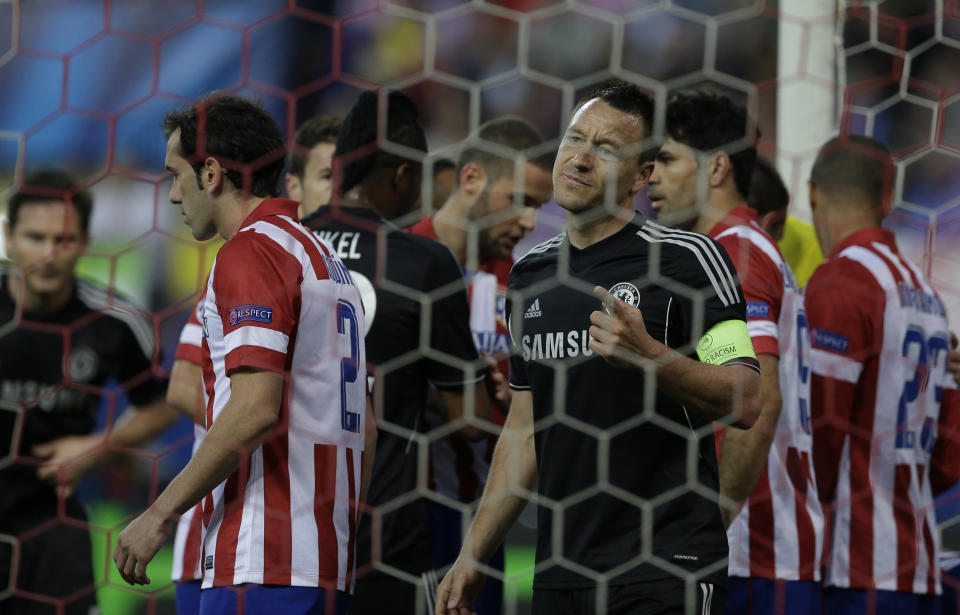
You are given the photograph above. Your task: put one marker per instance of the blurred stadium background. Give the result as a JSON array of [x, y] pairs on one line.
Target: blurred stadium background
[[85, 84]]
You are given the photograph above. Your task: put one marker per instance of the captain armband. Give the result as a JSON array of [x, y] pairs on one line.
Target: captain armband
[[728, 343]]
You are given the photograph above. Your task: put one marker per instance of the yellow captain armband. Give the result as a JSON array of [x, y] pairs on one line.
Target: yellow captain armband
[[728, 343]]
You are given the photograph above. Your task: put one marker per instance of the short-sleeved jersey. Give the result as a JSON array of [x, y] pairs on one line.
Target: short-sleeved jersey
[[458, 469], [188, 539], [884, 412], [778, 533], [52, 368], [684, 285], [408, 347], [279, 299]]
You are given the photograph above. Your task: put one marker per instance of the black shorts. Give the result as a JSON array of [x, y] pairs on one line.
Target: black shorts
[[661, 597], [54, 559]]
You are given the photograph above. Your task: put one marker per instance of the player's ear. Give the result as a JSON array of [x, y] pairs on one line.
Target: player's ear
[[473, 179], [813, 193], [719, 167], [641, 177], [294, 189], [211, 175]]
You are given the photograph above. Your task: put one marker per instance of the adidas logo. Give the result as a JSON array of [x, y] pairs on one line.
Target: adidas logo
[[534, 310]]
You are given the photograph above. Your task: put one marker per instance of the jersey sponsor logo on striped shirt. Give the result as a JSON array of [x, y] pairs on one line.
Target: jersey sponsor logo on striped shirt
[[251, 313], [828, 340], [758, 309]]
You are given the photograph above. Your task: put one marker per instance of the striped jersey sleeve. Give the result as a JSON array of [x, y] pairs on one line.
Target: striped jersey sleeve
[[762, 283], [257, 285]]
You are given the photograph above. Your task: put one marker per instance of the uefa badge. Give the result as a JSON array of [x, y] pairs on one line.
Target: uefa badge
[[626, 292]]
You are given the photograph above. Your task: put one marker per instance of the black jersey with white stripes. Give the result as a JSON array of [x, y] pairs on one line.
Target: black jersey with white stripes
[[418, 334], [53, 369], [623, 461]]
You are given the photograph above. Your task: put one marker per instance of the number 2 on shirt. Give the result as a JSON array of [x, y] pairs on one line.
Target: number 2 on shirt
[[349, 366], [928, 360]]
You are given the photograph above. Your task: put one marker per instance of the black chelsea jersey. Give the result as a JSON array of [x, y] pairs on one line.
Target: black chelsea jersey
[[608, 444], [400, 276], [53, 368]]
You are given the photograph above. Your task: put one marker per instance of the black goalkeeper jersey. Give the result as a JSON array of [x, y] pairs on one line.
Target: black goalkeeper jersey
[[617, 457], [53, 369], [416, 311]]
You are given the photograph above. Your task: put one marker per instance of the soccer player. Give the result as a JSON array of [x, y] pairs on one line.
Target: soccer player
[[280, 468], [402, 275], [774, 519], [498, 206], [68, 339], [768, 197], [884, 406], [310, 175], [607, 436]]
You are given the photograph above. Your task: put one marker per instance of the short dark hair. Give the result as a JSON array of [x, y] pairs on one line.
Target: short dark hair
[[443, 164], [854, 166], [50, 185], [359, 133], [629, 98], [768, 193], [709, 123], [313, 132], [239, 133], [486, 146]]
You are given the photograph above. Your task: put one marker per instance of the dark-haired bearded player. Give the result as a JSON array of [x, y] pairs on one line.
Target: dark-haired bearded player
[[593, 442]]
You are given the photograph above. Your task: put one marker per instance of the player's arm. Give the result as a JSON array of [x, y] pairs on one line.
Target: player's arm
[[513, 478], [743, 455], [67, 459], [715, 391], [845, 316], [460, 387], [185, 390], [945, 458], [248, 416]]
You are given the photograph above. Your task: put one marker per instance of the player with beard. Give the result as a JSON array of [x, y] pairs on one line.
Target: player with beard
[[281, 469], [606, 412], [413, 291], [68, 339], [310, 176], [491, 209], [775, 524]]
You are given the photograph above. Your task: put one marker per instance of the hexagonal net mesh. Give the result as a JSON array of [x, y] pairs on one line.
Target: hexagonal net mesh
[[87, 85]]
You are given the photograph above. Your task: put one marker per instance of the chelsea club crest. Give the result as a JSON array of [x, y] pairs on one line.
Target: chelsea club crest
[[626, 292]]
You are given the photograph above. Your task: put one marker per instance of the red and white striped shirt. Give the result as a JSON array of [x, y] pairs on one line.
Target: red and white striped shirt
[[188, 540], [778, 534], [885, 414], [280, 299]]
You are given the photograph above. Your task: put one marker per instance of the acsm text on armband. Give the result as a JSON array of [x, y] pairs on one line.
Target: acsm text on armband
[[721, 354]]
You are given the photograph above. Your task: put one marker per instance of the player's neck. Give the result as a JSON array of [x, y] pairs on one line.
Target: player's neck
[[449, 223], [41, 304], [585, 229], [717, 209], [234, 211], [844, 224]]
